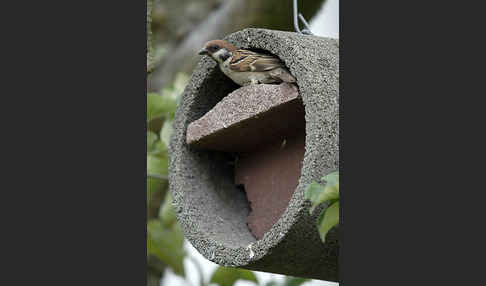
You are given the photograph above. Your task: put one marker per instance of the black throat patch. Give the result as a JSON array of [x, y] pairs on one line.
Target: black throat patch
[[225, 56]]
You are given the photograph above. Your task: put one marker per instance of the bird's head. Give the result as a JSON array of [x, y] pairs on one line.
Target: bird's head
[[218, 50]]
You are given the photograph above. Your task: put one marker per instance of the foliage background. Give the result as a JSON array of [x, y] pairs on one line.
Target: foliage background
[[179, 28]]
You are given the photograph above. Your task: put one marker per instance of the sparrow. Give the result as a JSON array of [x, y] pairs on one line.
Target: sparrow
[[246, 67]]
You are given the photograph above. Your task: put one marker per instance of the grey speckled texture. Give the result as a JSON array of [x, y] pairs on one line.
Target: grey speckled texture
[[213, 212]]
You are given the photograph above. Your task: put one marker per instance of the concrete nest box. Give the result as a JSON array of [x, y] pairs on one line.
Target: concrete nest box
[[242, 157]]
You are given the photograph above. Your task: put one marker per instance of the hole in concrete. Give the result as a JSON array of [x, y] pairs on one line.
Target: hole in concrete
[[265, 52], [241, 188], [217, 207], [270, 176], [237, 197], [261, 51], [217, 76]]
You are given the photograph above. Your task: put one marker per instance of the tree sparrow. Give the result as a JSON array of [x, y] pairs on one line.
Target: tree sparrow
[[246, 67]]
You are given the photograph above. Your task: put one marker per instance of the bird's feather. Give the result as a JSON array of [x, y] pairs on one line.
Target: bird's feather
[[244, 60]]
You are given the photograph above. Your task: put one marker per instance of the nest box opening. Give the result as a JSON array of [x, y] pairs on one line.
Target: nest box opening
[[225, 82], [261, 130], [223, 205]]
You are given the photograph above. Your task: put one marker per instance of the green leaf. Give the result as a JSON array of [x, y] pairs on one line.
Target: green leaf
[[151, 139], [157, 165], [313, 193], [166, 132], [166, 244], [159, 150], [159, 106], [328, 219], [318, 194], [180, 83], [166, 213], [153, 186], [332, 178], [294, 281], [332, 186], [176, 89], [227, 276]]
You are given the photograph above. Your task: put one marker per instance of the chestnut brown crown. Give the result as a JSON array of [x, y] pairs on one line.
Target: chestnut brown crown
[[215, 45]]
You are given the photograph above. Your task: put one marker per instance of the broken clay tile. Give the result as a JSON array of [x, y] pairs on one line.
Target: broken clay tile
[[247, 118]]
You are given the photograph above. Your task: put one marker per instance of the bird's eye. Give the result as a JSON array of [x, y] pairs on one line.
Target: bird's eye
[[213, 48]]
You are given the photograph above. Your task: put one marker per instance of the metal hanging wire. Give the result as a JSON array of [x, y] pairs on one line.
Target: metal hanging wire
[[298, 16]]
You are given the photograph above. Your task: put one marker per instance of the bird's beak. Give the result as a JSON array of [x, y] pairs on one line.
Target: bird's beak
[[203, 51]]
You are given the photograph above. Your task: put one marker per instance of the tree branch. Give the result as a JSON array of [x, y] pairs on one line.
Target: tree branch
[[231, 16], [150, 63]]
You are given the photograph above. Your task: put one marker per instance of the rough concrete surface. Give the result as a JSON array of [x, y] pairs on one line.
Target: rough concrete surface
[[213, 212]]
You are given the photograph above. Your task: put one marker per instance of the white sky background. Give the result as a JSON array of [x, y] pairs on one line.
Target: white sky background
[[170, 279], [325, 24]]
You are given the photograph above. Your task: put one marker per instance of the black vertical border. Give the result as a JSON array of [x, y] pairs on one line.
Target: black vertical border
[[413, 155], [82, 193]]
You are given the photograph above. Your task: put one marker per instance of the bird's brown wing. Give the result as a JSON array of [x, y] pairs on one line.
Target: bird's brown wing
[[244, 61]]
